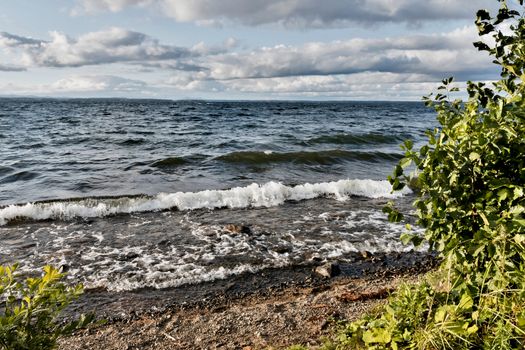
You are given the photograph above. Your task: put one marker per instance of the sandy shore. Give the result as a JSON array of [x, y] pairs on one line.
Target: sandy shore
[[276, 314]]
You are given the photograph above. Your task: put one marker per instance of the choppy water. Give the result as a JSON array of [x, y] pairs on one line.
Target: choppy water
[[131, 193]]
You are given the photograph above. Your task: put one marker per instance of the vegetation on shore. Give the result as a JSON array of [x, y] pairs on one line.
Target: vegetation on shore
[[29, 318], [471, 177]]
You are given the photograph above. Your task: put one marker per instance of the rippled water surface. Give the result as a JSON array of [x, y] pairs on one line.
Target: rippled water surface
[[77, 148], [131, 194]]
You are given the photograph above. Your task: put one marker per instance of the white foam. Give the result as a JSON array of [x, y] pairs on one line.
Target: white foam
[[206, 252], [255, 195], [181, 275]]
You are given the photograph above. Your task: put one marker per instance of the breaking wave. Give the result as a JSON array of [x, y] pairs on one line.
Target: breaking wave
[[255, 195]]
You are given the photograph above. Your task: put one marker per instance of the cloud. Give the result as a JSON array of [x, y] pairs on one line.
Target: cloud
[[79, 83], [105, 85], [366, 86], [11, 40], [298, 13], [431, 55], [11, 68], [358, 86], [91, 6], [359, 67], [107, 46], [438, 54]]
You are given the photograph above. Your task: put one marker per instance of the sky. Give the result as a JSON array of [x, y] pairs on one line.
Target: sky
[[238, 49]]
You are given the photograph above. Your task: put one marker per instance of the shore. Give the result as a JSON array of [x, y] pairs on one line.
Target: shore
[[274, 308]]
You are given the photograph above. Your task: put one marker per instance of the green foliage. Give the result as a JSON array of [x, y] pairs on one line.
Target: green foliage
[[29, 319], [471, 202]]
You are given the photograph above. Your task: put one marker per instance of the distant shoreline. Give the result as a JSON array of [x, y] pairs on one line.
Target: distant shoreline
[[118, 98]]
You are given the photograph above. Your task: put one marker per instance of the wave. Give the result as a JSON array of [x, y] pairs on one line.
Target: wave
[[255, 195], [304, 157], [132, 142], [358, 139], [19, 176], [169, 162]]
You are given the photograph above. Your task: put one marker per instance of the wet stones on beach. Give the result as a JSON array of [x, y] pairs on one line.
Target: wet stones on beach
[[328, 270], [236, 229]]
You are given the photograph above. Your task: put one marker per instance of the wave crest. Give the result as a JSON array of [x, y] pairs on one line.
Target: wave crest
[[255, 195]]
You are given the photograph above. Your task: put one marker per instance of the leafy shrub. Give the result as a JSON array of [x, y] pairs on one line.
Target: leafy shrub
[[29, 319], [471, 202]]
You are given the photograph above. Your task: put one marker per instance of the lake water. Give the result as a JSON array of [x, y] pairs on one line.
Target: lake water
[[128, 194]]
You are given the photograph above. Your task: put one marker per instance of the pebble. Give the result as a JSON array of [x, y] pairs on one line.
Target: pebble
[[328, 270], [238, 229]]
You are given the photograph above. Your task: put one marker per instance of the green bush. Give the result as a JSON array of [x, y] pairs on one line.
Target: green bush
[[31, 307], [471, 202]]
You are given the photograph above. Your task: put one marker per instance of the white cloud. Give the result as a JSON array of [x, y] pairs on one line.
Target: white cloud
[[11, 68], [436, 55], [80, 85], [359, 86], [298, 13], [107, 46], [91, 6], [355, 68]]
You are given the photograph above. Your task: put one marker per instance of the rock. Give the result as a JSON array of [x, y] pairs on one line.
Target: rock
[[328, 270], [283, 249], [315, 258], [366, 254], [127, 257], [238, 229], [164, 242]]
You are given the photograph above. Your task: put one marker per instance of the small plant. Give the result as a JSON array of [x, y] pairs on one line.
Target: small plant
[[471, 202], [31, 307]]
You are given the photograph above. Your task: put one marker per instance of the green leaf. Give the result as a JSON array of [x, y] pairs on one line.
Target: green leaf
[[398, 171], [395, 216], [406, 238], [481, 46], [397, 185], [441, 313], [377, 335], [405, 162], [472, 329], [466, 303], [473, 156], [482, 15]]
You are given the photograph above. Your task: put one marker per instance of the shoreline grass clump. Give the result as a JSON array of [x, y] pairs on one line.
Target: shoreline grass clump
[[471, 202]]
